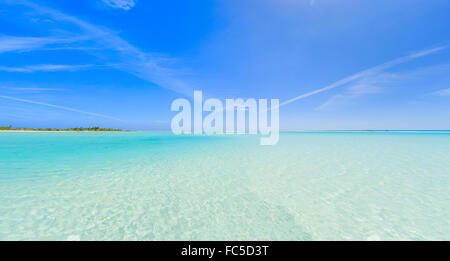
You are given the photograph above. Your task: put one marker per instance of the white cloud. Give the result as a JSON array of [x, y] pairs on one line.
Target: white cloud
[[44, 68], [444, 92], [121, 4], [378, 82], [107, 45], [361, 88], [370, 74], [59, 107], [11, 43], [31, 89]]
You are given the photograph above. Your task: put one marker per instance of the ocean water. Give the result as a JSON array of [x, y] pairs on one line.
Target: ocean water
[[157, 186]]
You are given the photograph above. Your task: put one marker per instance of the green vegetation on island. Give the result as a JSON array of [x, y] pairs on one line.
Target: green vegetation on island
[[52, 129]]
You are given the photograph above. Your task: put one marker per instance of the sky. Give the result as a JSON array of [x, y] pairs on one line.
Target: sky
[[334, 65]]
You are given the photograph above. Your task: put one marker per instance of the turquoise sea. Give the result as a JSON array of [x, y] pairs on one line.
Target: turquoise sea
[[157, 186]]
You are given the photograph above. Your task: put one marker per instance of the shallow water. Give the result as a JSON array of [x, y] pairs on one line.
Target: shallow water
[[156, 186]]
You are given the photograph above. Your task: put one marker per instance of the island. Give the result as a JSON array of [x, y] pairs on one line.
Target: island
[[10, 128]]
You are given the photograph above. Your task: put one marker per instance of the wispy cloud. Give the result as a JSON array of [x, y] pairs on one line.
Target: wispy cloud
[[353, 92], [23, 44], [444, 92], [126, 57], [365, 86], [366, 73], [121, 4], [44, 68], [59, 107], [31, 89]]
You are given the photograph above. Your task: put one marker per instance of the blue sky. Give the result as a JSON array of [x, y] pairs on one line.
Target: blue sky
[[120, 63]]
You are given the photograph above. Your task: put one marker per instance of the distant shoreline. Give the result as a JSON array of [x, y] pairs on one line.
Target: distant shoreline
[[57, 131], [290, 131], [90, 129]]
